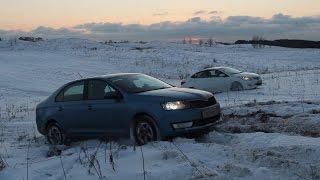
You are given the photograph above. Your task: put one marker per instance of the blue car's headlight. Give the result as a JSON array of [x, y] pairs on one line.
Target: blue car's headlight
[[175, 105]]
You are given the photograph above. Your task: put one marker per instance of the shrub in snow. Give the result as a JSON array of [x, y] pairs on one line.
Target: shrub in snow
[[210, 42], [2, 164], [55, 150], [200, 42]]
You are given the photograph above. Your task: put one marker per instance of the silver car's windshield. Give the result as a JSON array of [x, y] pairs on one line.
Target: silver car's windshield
[[230, 71], [135, 83]]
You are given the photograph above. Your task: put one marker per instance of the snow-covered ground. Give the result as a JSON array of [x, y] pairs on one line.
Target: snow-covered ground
[[272, 132]]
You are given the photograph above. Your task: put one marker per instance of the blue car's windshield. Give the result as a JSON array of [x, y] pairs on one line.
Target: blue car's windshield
[[135, 83]]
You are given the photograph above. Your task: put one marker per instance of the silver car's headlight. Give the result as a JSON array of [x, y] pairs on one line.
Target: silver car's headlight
[[246, 78], [175, 105]]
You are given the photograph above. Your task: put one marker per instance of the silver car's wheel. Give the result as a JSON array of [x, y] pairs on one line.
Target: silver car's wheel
[[55, 136], [144, 132], [236, 86]]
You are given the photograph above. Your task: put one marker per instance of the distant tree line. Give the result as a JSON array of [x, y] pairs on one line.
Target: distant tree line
[[210, 42], [259, 42], [32, 39]]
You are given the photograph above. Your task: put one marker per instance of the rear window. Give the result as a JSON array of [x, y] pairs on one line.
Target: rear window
[[73, 92]]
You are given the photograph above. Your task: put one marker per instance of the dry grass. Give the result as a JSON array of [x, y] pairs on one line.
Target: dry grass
[[2, 163]]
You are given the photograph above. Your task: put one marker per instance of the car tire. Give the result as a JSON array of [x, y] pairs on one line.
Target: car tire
[[144, 130], [236, 86], [55, 134]]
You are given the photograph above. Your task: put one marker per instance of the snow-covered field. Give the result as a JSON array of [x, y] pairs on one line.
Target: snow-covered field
[[272, 132]]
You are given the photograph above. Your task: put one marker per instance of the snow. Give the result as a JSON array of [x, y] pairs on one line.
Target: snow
[[268, 133]]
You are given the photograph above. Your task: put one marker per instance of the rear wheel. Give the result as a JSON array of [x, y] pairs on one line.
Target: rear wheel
[[55, 134], [236, 86], [144, 130]]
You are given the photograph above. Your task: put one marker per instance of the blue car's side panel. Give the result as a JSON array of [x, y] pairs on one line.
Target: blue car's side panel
[[107, 116]]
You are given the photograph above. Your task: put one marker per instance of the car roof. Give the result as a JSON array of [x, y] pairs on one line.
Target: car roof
[[213, 68], [107, 76]]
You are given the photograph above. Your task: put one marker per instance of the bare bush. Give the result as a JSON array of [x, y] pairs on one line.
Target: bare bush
[[2, 163], [314, 172], [200, 42], [143, 164], [64, 172], [184, 41], [91, 161], [190, 40], [257, 42], [55, 150], [210, 42]]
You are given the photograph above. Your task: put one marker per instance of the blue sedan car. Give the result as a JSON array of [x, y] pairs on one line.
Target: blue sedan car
[[128, 105]]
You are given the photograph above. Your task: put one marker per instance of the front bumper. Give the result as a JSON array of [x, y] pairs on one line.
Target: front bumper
[[252, 84], [195, 115], [259, 82]]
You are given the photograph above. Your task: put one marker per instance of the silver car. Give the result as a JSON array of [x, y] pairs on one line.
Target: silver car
[[222, 79]]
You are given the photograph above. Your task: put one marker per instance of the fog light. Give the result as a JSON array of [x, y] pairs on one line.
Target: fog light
[[182, 125]]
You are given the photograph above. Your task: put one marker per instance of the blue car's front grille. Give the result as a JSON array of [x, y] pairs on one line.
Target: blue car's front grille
[[203, 103]]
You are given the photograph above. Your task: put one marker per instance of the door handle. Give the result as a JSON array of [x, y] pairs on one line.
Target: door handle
[[89, 107], [60, 109]]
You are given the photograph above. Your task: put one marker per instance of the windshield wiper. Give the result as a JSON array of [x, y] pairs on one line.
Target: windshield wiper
[[146, 90]]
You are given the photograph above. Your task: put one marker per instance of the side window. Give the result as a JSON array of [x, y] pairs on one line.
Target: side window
[[220, 74], [98, 90], [213, 73], [202, 74], [74, 92]]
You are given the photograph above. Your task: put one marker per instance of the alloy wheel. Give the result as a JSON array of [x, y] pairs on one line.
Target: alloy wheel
[[144, 133], [55, 136]]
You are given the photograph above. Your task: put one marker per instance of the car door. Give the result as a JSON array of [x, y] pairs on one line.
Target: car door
[[71, 109], [219, 81], [199, 80], [205, 80], [107, 112]]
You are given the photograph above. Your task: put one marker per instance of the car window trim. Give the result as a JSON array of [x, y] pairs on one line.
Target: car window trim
[[198, 73], [226, 75], [67, 86], [87, 89]]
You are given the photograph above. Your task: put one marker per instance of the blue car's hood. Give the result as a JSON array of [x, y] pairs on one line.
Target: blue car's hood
[[178, 94]]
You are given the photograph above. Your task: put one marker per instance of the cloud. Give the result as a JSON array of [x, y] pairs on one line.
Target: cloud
[[229, 29], [160, 14], [213, 12], [60, 32], [200, 12]]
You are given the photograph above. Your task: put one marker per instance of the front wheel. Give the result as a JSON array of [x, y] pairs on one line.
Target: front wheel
[[55, 135], [144, 130], [236, 86]]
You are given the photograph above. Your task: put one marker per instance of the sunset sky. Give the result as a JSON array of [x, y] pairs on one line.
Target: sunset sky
[[28, 15]]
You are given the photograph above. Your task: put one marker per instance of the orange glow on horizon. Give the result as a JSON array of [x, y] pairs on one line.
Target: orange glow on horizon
[[29, 14]]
